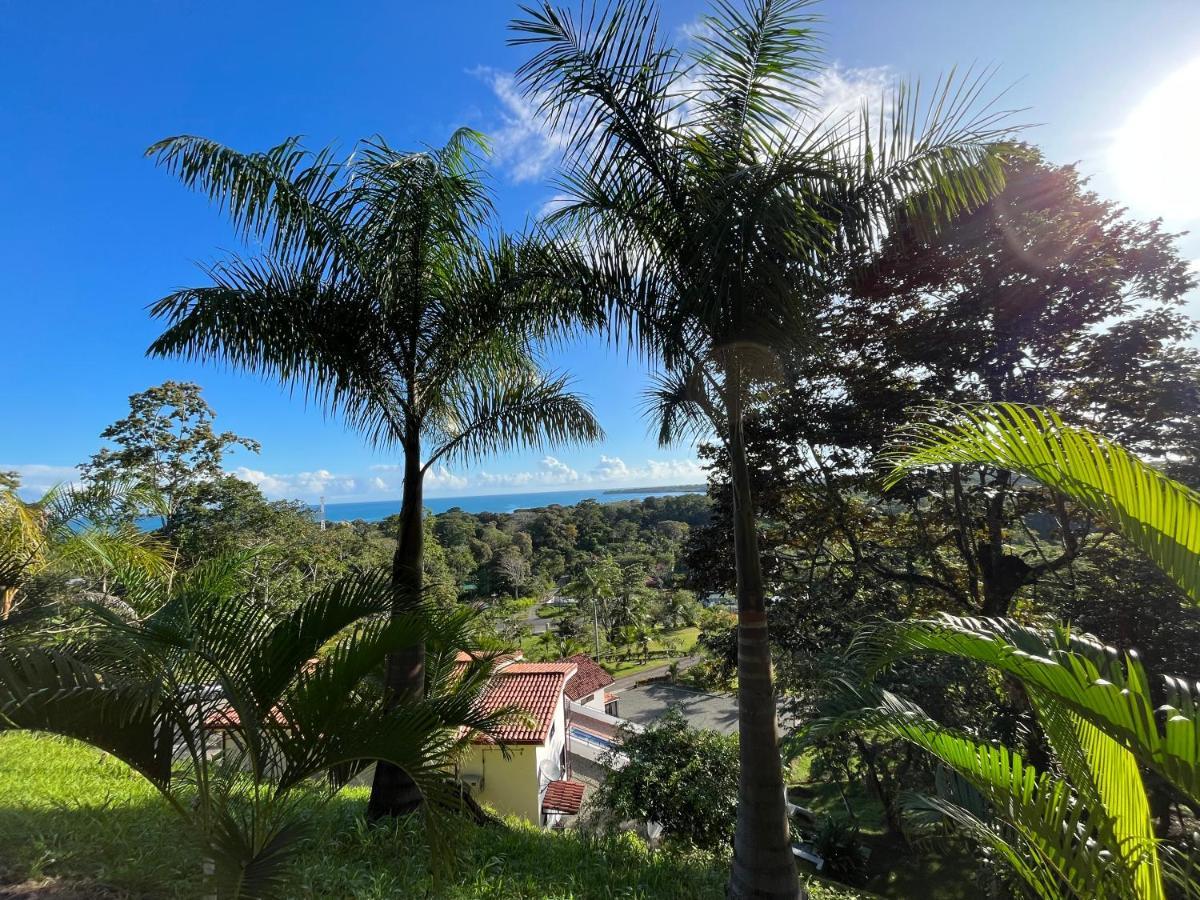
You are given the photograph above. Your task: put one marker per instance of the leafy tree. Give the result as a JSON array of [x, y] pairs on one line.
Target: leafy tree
[[682, 777], [1087, 832], [379, 292], [1047, 294], [704, 199], [514, 569], [719, 640], [167, 443], [678, 609]]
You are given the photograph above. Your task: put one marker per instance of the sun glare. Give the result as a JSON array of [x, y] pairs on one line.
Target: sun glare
[[1156, 154]]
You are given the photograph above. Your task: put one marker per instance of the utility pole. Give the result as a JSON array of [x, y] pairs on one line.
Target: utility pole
[[322, 512], [596, 625]]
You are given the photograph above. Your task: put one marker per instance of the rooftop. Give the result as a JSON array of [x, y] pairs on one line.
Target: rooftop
[[563, 797], [589, 678], [534, 688]]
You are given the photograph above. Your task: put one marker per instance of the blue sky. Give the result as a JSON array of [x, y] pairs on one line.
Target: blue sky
[[91, 232]]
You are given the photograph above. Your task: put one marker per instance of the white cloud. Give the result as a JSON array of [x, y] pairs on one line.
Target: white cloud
[[441, 478], [614, 470], [37, 478], [843, 92], [550, 471], [608, 471], [558, 471], [522, 144], [610, 468], [304, 485]]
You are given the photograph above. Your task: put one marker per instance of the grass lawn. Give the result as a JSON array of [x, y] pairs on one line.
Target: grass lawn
[[78, 824], [683, 638]]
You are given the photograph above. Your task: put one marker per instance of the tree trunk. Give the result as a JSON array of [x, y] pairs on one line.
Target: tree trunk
[[763, 865], [393, 792], [8, 598]]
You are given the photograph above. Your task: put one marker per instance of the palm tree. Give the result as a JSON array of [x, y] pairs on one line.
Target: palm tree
[[596, 585], [1088, 832], [379, 293], [227, 711], [72, 530], [705, 195]]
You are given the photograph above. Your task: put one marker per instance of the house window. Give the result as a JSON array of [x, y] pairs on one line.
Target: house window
[[586, 700]]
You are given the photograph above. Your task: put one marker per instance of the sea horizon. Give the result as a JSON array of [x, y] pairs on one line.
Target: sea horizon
[[375, 510]]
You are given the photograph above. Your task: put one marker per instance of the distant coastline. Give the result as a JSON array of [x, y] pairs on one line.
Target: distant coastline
[[374, 510], [661, 489]]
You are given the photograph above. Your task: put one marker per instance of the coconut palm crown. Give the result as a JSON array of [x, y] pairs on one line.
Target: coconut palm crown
[[383, 292], [706, 196]]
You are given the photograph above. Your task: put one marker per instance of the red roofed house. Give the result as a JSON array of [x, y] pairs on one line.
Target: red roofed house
[[587, 687], [533, 781]]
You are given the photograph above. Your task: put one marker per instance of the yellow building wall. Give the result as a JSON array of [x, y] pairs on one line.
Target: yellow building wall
[[510, 786]]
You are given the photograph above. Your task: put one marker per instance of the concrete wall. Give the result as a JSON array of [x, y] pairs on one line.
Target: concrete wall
[[593, 701]]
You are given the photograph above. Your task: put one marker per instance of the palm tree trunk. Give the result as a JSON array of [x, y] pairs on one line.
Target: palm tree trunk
[[8, 598], [393, 792], [763, 865]]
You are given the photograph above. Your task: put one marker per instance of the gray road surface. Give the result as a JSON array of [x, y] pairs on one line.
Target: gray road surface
[[645, 704]]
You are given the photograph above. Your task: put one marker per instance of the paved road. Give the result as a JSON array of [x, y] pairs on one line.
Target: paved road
[[645, 704], [627, 682], [538, 625]]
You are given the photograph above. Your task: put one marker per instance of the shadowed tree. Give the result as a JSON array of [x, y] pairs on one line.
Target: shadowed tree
[[705, 193], [383, 292]]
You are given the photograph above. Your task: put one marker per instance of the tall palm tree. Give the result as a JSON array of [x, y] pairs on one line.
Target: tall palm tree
[[380, 293], [1085, 831], [597, 585], [228, 711], [704, 196]]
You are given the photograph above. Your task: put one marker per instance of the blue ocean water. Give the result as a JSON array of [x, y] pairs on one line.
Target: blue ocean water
[[375, 510]]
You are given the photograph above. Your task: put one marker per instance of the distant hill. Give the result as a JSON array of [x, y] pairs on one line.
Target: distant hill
[[681, 488]]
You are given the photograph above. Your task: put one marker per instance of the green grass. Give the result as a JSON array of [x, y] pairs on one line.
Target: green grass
[[76, 817], [684, 640]]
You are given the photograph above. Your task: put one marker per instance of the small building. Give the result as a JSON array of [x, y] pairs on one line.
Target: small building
[[586, 688], [530, 776]]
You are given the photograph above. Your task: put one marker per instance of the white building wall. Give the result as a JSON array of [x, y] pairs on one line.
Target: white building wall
[[550, 755]]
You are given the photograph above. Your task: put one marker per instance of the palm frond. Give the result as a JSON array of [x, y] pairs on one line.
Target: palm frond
[[1078, 844], [509, 410], [757, 65], [681, 405], [1104, 687], [270, 318], [288, 197], [1159, 516]]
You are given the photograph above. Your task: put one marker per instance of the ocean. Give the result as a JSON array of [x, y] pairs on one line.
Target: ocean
[[375, 510]]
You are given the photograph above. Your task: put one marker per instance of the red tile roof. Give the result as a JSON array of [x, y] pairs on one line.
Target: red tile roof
[[501, 661], [534, 688], [225, 718], [563, 797], [589, 679]]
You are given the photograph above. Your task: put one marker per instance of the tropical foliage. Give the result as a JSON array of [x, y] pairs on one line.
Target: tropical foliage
[[227, 711], [683, 778], [1084, 828], [385, 293], [705, 197]]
